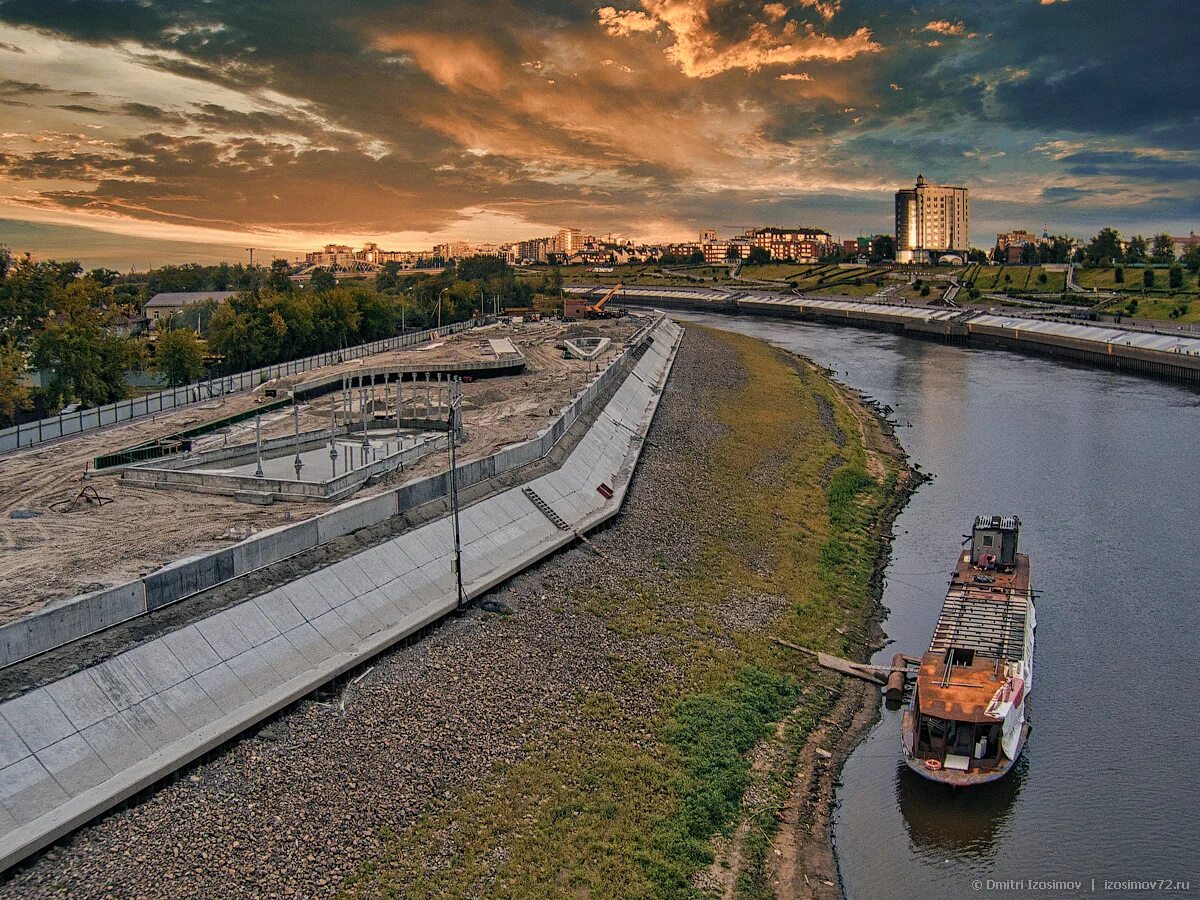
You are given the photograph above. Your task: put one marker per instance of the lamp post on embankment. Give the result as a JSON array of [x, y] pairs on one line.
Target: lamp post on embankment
[[455, 393]]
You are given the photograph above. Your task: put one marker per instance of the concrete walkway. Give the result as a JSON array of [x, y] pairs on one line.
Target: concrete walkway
[[78, 746]]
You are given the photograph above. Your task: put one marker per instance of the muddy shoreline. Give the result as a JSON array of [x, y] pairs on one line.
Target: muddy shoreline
[[809, 867]]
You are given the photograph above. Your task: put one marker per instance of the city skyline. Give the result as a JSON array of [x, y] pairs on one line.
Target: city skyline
[[175, 128]]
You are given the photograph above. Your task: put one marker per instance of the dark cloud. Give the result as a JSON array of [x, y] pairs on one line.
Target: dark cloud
[[10, 87], [1066, 194]]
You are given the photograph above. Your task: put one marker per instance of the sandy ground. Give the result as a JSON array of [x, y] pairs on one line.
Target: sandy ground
[[60, 554]]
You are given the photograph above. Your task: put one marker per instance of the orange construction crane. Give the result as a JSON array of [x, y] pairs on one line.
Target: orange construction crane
[[596, 310]]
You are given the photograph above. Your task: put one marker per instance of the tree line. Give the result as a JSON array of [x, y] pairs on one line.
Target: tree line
[[75, 326]]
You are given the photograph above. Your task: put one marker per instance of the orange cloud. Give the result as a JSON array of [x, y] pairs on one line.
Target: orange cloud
[[701, 51], [625, 23], [827, 9], [455, 62], [951, 29]]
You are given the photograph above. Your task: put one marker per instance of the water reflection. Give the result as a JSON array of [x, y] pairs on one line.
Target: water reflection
[[943, 822]]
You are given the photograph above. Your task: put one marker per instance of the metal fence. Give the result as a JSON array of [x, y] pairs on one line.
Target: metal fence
[[30, 434]]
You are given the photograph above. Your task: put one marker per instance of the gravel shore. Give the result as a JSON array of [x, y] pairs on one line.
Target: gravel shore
[[295, 808]]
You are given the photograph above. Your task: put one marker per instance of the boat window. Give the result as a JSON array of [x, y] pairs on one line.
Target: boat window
[[987, 540]]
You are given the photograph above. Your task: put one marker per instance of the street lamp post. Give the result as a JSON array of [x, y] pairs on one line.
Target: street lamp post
[[451, 419], [299, 463], [258, 473]]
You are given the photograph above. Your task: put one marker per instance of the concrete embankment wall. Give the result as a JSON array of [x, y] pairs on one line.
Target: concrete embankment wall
[[1157, 355], [78, 617], [77, 746]]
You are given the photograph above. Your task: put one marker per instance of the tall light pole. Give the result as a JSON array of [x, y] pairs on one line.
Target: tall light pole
[[258, 473], [299, 463], [440, 296], [451, 419]]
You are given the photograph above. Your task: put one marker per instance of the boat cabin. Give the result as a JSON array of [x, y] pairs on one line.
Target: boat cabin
[[994, 541]]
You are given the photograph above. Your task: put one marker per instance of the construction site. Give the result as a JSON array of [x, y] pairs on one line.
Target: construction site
[[98, 509]]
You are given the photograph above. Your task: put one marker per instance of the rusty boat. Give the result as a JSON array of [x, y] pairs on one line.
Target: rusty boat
[[965, 723]]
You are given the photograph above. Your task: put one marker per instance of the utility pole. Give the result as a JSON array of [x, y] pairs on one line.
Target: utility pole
[[299, 463], [258, 473], [452, 419]]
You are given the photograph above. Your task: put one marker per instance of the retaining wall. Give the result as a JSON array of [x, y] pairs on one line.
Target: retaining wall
[[81, 616]]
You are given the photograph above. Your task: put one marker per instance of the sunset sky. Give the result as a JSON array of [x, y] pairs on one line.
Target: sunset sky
[[155, 131]]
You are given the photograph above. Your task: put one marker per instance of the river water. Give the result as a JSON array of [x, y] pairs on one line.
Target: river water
[[1104, 472]]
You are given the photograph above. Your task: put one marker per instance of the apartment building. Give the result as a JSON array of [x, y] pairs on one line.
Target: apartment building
[[931, 219]]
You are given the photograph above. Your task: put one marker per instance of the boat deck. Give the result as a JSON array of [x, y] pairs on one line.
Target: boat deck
[[987, 618]]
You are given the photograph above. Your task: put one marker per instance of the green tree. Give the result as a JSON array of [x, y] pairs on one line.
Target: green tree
[[1138, 250], [322, 280], [1105, 245], [88, 361], [1163, 250], [1175, 278], [26, 291], [1148, 277], [278, 280], [378, 315], [759, 255], [194, 316], [104, 277], [1191, 258], [246, 332], [478, 268], [336, 318], [883, 246], [388, 277], [1119, 275], [14, 393], [179, 357]]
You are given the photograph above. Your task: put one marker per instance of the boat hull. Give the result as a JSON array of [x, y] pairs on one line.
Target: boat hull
[[972, 777]]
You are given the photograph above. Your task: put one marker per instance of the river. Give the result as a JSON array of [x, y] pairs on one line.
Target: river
[[1103, 470]]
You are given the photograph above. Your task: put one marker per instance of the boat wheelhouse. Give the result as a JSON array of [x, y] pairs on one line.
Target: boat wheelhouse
[[966, 720]]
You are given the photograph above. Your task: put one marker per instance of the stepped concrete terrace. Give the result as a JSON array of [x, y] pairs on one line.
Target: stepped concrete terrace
[[73, 748]]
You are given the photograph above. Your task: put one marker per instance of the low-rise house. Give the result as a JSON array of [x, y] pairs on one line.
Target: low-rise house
[[162, 306]]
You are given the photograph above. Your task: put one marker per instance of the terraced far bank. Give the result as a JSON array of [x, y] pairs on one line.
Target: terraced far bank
[[683, 752]]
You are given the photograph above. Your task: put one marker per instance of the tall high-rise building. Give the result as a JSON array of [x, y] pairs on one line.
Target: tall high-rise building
[[931, 218]]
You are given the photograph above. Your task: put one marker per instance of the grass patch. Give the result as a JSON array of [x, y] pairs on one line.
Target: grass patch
[[1026, 279], [711, 734]]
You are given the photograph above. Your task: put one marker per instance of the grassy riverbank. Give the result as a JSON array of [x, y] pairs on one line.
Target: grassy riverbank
[[761, 517]]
